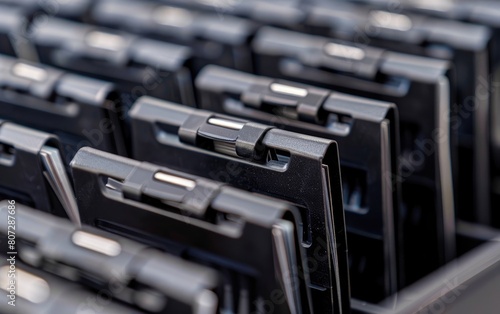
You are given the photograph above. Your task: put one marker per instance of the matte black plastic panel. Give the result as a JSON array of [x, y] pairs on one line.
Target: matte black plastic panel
[[298, 168]]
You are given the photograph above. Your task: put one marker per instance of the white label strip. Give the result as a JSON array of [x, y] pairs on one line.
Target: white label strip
[[168, 178], [343, 51], [105, 41], [173, 17], [30, 72], [390, 20], [288, 90], [228, 124], [30, 287], [96, 243]]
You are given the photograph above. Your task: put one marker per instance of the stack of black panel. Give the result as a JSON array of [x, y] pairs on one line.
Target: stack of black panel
[[249, 156]]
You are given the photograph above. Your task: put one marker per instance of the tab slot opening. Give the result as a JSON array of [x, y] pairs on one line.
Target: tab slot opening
[[305, 228], [341, 124], [277, 158], [355, 190], [7, 154]]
